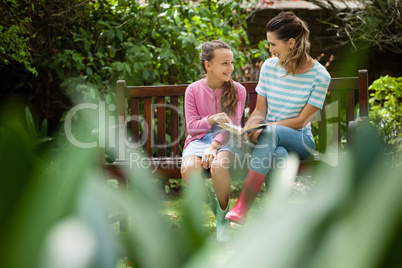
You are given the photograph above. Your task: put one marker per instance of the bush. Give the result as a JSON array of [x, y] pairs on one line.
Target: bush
[[155, 43], [385, 111]]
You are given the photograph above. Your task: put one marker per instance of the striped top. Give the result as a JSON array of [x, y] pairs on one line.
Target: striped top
[[288, 94]]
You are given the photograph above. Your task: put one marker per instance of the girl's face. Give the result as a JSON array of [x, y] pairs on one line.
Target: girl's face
[[277, 47], [220, 67]]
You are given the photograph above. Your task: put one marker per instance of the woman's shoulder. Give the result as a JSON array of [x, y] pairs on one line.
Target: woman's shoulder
[[271, 61], [322, 71], [271, 64]]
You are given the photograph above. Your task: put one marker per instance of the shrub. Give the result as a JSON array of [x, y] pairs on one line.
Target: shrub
[[385, 111]]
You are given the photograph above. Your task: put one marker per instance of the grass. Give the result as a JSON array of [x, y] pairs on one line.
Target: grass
[[173, 209]]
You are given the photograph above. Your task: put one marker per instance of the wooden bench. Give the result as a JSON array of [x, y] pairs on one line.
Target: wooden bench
[[157, 114]]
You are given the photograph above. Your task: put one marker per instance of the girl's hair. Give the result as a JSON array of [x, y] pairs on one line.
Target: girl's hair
[[229, 97], [287, 25]]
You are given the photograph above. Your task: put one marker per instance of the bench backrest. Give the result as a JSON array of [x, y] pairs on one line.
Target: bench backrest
[[162, 112]]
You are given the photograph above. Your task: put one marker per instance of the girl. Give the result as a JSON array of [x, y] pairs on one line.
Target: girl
[[291, 89], [213, 100]]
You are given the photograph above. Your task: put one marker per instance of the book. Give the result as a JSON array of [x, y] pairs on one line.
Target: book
[[239, 130]]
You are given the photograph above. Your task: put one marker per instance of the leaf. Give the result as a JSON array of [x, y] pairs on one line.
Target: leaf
[[44, 127], [30, 124], [111, 34], [119, 35], [89, 71]]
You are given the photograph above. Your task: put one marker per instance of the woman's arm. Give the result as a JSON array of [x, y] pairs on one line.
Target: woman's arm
[[306, 115], [259, 113]]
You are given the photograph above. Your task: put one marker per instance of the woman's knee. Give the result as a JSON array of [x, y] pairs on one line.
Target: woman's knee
[[268, 133], [280, 155], [281, 152]]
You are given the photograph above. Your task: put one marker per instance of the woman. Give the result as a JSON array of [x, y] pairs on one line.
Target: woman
[[213, 100], [291, 89]]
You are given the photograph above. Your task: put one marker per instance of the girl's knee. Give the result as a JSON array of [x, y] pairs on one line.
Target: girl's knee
[[188, 165], [220, 163]]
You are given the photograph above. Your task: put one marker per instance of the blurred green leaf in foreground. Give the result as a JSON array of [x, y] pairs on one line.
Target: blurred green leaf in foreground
[[54, 213]]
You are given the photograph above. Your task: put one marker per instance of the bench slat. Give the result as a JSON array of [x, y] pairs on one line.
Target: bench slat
[[363, 93], [161, 124], [322, 129], [148, 125], [156, 91], [174, 130], [135, 123], [336, 134], [350, 108], [344, 83]]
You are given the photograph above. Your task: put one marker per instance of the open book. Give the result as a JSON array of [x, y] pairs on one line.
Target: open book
[[239, 130]]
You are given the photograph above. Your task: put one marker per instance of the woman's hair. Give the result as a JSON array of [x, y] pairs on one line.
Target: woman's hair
[[287, 25], [229, 97]]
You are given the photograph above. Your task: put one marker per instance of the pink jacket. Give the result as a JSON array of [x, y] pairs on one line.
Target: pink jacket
[[200, 102]]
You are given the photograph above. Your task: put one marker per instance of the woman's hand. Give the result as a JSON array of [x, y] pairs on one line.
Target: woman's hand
[[253, 135], [209, 155], [219, 119]]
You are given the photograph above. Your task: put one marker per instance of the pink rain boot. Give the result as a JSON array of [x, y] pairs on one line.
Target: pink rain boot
[[251, 187]]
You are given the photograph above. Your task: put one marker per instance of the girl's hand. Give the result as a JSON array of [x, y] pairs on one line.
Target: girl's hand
[[219, 119], [209, 155], [253, 135]]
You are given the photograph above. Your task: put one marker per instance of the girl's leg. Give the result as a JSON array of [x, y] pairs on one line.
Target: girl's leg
[[221, 182], [192, 164], [221, 176]]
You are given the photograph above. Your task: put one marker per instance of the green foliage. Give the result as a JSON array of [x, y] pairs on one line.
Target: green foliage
[[366, 23], [385, 109], [156, 43], [14, 34], [56, 215], [38, 136]]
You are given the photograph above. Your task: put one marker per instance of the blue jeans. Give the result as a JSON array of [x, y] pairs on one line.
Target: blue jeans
[[274, 143]]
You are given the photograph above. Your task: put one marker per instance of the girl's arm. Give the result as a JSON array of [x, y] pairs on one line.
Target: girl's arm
[[223, 137], [195, 123]]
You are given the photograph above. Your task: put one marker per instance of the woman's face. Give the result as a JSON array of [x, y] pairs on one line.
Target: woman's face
[[279, 48]]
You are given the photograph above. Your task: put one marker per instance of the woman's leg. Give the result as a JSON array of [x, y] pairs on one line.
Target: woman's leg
[[261, 162], [278, 162]]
